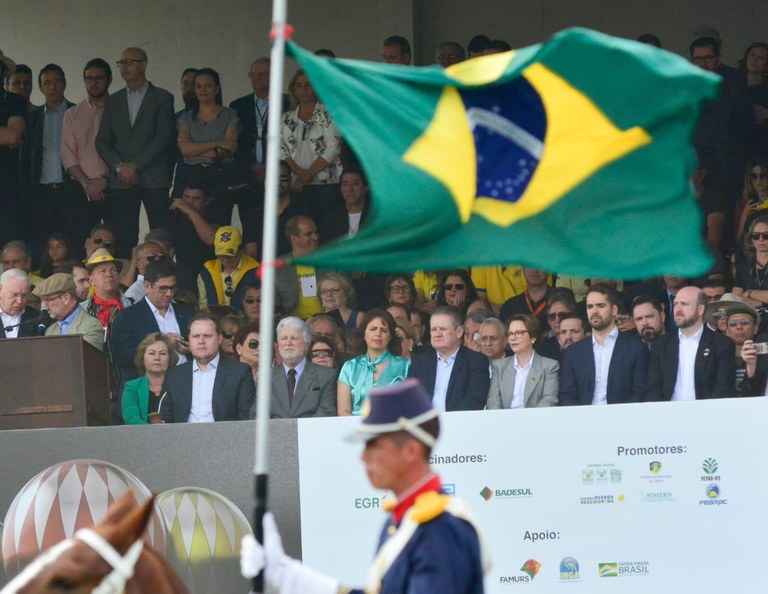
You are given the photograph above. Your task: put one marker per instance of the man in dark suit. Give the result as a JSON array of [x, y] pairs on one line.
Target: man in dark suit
[[135, 140], [154, 313], [209, 387], [300, 388], [253, 111], [609, 368], [16, 320], [693, 362], [49, 188], [455, 376]]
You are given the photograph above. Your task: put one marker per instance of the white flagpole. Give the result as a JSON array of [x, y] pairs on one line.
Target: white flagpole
[[267, 322]]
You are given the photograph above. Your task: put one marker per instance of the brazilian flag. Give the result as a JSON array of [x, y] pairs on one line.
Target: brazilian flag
[[573, 156]]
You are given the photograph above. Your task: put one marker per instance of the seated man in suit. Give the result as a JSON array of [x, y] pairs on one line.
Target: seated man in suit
[[154, 313], [208, 387], [609, 368], [692, 362], [455, 376], [300, 388], [16, 318], [58, 294]]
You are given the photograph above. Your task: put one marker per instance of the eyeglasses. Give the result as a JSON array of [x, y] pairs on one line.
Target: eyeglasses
[[253, 344], [92, 79], [285, 178], [165, 288], [517, 333], [228, 335], [128, 62], [719, 314], [742, 322], [252, 300], [623, 318], [402, 290], [326, 292], [454, 287], [759, 236], [101, 241], [555, 315], [51, 298], [229, 291], [153, 257], [322, 353]]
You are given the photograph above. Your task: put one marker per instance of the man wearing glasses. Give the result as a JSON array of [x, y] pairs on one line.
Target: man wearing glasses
[[78, 149], [223, 281], [154, 313], [146, 253], [741, 325], [135, 140], [58, 294]]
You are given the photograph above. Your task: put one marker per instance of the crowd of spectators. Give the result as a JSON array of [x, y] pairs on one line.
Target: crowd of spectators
[[176, 312]]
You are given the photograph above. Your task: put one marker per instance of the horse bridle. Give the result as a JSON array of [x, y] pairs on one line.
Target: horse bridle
[[122, 566]]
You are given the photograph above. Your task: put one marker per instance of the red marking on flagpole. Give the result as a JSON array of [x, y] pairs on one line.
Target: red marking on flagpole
[[275, 32], [275, 264]]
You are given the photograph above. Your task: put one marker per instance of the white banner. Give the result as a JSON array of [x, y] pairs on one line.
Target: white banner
[[636, 498]]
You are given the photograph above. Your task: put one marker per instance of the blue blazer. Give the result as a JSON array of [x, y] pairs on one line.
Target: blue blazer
[[626, 373], [469, 383]]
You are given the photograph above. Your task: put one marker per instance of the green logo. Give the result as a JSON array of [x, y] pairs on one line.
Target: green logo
[[486, 494], [608, 570], [709, 466]]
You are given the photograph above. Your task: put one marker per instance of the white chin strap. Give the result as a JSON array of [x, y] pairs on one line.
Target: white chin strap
[[122, 567]]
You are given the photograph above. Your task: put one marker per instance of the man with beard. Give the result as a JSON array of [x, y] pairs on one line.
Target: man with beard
[[649, 318], [572, 330], [610, 368], [693, 362]]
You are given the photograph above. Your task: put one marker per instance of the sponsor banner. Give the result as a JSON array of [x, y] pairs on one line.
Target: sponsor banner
[[574, 499]]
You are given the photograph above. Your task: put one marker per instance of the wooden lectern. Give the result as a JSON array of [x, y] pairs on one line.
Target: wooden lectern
[[52, 381]]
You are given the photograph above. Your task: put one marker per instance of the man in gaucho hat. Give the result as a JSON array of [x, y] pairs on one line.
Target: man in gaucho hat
[[430, 542]]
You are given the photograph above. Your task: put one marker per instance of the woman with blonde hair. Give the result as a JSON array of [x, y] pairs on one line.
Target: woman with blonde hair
[[141, 398], [337, 293]]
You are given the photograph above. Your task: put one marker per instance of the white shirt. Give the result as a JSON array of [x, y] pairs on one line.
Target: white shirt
[[167, 323], [685, 386], [7, 321], [135, 99], [202, 392], [442, 378], [354, 222], [603, 356], [521, 376], [136, 290]]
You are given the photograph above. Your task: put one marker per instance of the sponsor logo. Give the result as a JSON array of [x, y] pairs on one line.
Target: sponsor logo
[[487, 493], [602, 499], [658, 497], [569, 569], [655, 469], [710, 468], [370, 502], [624, 569], [529, 571], [713, 496], [601, 474]]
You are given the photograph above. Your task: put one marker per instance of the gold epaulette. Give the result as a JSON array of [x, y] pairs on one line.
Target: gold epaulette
[[428, 506]]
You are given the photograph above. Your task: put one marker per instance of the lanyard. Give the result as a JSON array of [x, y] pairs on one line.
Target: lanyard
[[539, 309]]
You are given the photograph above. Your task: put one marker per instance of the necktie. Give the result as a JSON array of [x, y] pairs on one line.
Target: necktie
[[291, 385]]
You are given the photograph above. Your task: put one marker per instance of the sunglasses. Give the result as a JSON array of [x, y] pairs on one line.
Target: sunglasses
[[322, 353], [742, 322], [557, 315], [228, 335], [153, 257], [455, 287], [101, 241], [252, 300], [285, 178], [759, 236], [253, 344], [229, 291]]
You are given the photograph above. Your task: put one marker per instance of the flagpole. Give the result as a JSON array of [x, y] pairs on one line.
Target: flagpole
[[267, 321]]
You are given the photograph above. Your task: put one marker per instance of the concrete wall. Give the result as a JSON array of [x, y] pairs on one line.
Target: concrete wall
[[228, 34]]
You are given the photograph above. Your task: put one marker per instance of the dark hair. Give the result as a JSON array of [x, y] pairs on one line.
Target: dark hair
[[472, 295], [98, 63], [574, 316], [711, 283], [742, 62], [51, 68], [706, 42], [46, 265], [217, 81], [103, 227], [160, 235], [189, 71], [244, 331], [325, 53], [607, 290], [161, 268], [329, 343], [499, 45], [454, 46], [650, 39], [749, 249], [650, 300], [69, 266], [205, 317], [20, 69], [562, 295], [400, 276], [394, 345], [197, 180], [354, 170], [400, 42], [478, 44], [531, 324]]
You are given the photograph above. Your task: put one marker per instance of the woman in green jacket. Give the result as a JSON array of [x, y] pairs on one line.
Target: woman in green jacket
[[142, 396]]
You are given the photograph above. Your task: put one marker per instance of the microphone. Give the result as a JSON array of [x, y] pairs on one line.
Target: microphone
[[43, 321]]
